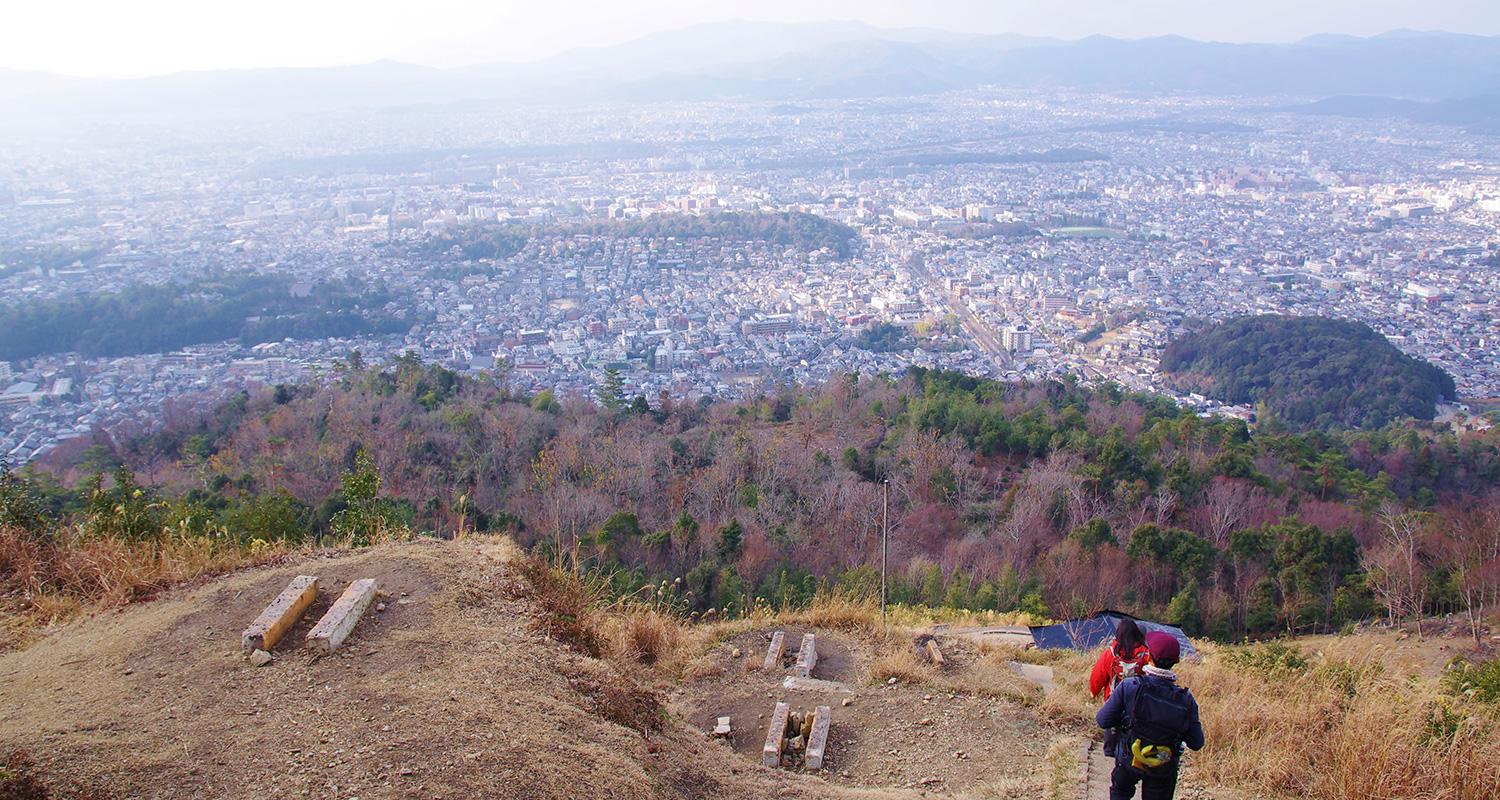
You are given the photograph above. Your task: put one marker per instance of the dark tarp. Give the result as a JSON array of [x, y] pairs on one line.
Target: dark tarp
[[1094, 632]]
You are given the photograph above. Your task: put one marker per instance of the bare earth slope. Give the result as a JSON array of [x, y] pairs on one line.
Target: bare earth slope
[[445, 693]]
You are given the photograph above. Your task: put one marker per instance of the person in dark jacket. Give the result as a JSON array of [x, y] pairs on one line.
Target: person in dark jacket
[[1154, 693]]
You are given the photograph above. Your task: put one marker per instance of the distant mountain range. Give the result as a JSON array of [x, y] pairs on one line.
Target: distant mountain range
[[835, 60]]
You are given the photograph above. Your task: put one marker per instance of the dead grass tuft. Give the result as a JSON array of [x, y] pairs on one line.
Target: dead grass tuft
[[1064, 771], [568, 604], [835, 612], [647, 637], [899, 661]]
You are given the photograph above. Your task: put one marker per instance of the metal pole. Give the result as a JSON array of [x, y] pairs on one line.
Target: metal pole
[[885, 539]]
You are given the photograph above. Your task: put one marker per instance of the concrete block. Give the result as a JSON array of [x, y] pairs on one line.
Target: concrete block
[[817, 741], [807, 656], [722, 729], [339, 622], [773, 654], [281, 614], [775, 735], [934, 653]]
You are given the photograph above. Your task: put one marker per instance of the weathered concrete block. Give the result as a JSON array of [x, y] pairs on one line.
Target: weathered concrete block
[[935, 653], [807, 656], [339, 622], [817, 741], [773, 653], [281, 614], [775, 735], [722, 729]]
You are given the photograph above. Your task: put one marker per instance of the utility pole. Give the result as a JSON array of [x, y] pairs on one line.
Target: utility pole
[[885, 539]]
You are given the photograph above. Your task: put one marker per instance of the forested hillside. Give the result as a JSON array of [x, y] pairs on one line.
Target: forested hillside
[[1045, 497], [252, 307], [1308, 371]]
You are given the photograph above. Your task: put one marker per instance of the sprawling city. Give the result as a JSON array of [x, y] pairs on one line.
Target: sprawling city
[[1002, 234]]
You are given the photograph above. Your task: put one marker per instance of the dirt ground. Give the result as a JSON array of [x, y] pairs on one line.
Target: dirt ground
[[445, 693], [448, 692], [883, 735]]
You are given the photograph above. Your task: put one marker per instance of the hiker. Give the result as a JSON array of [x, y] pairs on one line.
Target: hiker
[[1156, 718], [1122, 659]]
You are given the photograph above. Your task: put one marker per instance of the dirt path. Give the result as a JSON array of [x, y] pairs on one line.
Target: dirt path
[[446, 693], [884, 735]]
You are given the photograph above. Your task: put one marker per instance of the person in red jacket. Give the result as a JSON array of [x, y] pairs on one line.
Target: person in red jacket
[[1122, 659]]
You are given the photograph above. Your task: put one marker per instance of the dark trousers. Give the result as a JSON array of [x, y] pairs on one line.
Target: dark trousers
[[1153, 787]]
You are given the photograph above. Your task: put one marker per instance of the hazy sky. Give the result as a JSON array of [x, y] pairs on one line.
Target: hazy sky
[[143, 37]]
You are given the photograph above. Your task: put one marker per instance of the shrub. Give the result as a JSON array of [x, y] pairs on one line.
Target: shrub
[[1480, 681], [1274, 658]]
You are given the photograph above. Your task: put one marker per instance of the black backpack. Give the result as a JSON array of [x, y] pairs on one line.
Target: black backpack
[[1155, 726]]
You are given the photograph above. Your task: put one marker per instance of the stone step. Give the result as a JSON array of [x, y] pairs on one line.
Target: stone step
[[775, 736], [339, 622], [807, 656], [817, 742], [775, 651], [281, 614]]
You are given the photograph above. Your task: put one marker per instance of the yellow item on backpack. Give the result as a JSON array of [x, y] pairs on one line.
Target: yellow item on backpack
[[1149, 756]]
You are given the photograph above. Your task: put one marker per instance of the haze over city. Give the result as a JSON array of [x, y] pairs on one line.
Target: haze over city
[[154, 37]]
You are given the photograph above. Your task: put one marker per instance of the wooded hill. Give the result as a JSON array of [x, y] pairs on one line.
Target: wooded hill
[[218, 306], [805, 233], [1308, 371], [1047, 497]]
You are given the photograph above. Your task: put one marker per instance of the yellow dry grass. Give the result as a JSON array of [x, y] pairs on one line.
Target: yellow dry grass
[[1351, 726], [48, 580]]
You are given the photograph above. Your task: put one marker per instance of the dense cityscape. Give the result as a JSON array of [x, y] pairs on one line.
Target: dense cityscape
[[1015, 235]]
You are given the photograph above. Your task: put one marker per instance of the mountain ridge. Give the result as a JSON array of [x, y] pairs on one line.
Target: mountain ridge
[[780, 62]]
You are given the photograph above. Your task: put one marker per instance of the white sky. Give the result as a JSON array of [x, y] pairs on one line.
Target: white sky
[[145, 37]]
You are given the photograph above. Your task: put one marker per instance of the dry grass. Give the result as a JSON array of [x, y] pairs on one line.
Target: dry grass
[[1064, 772], [1342, 728], [899, 660], [47, 579], [570, 605]]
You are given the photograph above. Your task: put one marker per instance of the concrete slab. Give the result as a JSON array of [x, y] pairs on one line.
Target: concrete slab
[[775, 651], [1035, 673], [281, 614], [817, 741], [1018, 635], [775, 736], [339, 622], [807, 656]]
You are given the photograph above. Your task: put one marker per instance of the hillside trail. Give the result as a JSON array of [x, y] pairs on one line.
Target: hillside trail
[[447, 693]]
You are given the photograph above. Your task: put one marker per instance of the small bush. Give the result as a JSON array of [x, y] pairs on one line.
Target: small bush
[[1276, 657], [1480, 681], [623, 703]]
